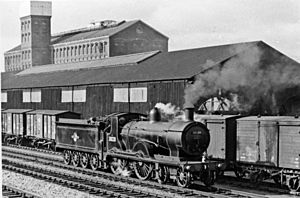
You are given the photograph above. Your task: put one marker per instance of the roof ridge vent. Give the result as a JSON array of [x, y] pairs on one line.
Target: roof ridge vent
[[103, 24], [95, 25]]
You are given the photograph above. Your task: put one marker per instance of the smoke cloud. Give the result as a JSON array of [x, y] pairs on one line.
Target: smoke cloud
[[170, 112], [249, 74]]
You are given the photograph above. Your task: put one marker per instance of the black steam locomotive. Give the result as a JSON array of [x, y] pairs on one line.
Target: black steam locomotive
[[127, 143]]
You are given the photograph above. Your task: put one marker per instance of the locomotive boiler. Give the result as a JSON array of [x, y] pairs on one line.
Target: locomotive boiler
[[181, 139]]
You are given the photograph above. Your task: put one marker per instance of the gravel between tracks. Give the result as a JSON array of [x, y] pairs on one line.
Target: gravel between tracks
[[40, 187], [136, 187]]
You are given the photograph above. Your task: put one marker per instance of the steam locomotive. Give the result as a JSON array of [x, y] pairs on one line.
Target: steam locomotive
[[128, 143]]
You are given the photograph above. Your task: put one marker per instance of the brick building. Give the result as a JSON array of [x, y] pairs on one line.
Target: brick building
[[99, 40]]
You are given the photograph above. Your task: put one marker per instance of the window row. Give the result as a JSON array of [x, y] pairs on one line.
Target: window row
[[98, 48], [78, 94], [13, 59], [26, 54], [137, 94], [68, 94], [25, 25], [25, 37]]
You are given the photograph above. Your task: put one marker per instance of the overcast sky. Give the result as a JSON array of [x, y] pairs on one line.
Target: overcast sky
[[187, 23]]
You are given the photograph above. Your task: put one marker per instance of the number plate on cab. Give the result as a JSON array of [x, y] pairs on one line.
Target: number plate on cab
[[112, 139]]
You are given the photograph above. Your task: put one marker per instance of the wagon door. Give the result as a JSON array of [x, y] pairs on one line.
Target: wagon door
[[268, 142], [289, 144], [9, 123], [247, 140], [217, 138]]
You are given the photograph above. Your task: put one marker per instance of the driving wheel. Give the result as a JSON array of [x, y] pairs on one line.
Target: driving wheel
[[76, 158], [67, 157], [183, 178], [163, 174], [84, 160], [94, 161]]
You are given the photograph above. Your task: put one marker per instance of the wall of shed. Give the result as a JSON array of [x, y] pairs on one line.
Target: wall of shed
[[136, 39], [99, 99]]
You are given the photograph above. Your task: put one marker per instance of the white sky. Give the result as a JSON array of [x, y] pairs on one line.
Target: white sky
[[187, 23]]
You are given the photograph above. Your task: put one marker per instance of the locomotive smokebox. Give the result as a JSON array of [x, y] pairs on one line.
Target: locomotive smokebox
[[189, 113]]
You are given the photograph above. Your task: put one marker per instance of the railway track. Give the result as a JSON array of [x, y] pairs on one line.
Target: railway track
[[32, 149], [10, 192], [77, 181], [265, 186], [183, 192]]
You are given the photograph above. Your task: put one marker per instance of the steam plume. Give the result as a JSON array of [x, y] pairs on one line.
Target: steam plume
[[249, 74], [170, 112]]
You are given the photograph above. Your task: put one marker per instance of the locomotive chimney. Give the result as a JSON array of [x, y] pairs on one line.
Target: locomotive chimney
[[189, 113], [155, 115]]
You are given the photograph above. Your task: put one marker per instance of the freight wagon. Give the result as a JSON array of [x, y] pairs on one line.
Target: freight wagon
[[29, 127], [13, 125], [259, 147]]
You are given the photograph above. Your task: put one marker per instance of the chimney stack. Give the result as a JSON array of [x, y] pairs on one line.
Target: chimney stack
[[189, 113]]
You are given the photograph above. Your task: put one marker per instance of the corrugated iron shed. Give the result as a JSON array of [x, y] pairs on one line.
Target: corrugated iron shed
[[176, 65]]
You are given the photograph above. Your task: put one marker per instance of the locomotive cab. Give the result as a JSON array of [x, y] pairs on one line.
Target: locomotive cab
[[114, 125]]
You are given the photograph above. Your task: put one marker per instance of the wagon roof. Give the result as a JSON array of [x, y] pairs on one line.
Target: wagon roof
[[143, 67], [16, 110], [264, 118], [216, 117], [50, 112]]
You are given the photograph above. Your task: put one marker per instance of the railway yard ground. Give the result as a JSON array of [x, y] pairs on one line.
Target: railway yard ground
[[30, 173]]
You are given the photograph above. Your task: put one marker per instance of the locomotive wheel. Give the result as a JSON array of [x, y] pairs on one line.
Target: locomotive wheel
[[239, 172], [84, 160], [183, 179], [76, 158], [118, 167], [209, 178], [94, 161], [143, 170], [19, 141], [163, 174], [277, 180], [67, 157]]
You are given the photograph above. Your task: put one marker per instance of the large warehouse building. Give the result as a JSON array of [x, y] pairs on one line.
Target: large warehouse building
[[137, 82]]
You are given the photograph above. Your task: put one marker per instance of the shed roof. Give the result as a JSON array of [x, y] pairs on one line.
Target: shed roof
[[92, 33], [131, 59], [17, 48], [176, 65]]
